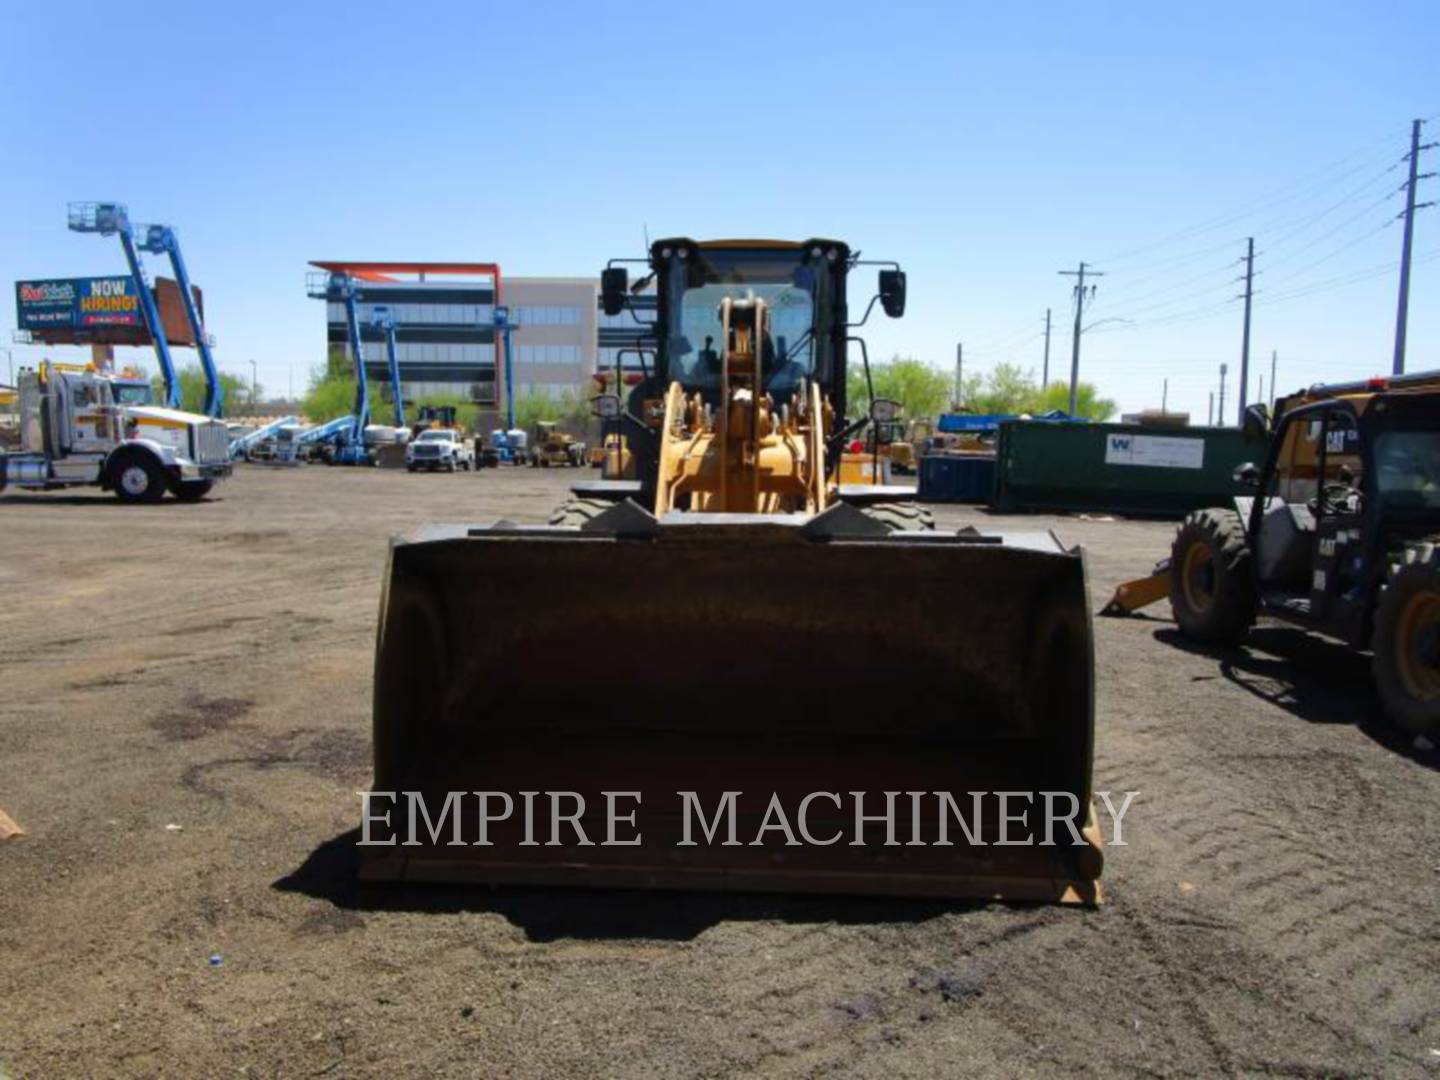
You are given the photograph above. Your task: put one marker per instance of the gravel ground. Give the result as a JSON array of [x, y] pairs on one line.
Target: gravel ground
[[185, 723]]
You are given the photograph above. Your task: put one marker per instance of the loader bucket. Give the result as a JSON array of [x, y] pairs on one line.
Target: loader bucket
[[732, 682]]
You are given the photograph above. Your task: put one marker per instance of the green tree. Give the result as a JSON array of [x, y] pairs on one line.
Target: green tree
[[921, 389], [329, 396], [192, 388], [571, 409], [1088, 402], [1005, 388], [1010, 389]]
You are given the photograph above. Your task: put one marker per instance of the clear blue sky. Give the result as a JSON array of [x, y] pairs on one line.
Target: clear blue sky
[[983, 146]]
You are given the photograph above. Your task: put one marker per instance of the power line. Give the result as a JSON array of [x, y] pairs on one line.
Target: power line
[[1302, 223], [1277, 197]]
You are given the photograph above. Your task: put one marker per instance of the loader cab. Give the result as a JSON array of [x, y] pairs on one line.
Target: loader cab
[[802, 285], [802, 341]]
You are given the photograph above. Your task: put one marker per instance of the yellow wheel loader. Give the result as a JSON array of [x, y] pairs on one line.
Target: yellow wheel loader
[[735, 671]]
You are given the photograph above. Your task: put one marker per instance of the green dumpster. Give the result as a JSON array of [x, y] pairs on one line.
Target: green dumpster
[[1119, 468]]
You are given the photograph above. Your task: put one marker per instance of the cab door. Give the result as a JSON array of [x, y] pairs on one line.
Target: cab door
[[1338, 585], [91, 415]]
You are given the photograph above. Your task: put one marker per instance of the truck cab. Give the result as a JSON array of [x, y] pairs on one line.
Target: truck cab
[[439, 448], [82, 426]]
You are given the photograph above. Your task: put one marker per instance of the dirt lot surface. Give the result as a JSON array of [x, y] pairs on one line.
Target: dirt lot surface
[[185, 722]]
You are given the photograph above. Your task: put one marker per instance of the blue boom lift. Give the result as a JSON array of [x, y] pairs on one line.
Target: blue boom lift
[[347, 438], [381, 319], [507, 445], [111, 219]]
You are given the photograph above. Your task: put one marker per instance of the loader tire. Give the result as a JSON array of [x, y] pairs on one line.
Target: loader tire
[[1212, 592], [903, 516], [579, 511], [1407, 640]]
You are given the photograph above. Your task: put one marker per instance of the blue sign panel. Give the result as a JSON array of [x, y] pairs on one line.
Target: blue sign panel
[[78, 303]]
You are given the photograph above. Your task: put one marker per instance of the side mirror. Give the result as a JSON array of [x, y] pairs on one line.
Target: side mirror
[[884, 411], [614, 284], [1247, 475], [1256, 424], [606, 406], [892, 292]]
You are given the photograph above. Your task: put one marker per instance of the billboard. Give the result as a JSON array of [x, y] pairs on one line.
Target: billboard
[[98, 310]]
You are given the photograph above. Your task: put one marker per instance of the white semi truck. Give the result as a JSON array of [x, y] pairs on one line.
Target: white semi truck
[[83, 426]]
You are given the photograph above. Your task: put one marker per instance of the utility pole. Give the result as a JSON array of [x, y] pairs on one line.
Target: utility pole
[[1045, 377], [1080, 298], [1210, 416], [1164, 395], [1272, 380], [254, 387], [1220, 415], [1403, 313], [1245, 337], [959, 374]]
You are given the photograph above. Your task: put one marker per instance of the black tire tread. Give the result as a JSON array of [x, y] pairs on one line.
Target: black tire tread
[[1418, 566], [1233, 611]]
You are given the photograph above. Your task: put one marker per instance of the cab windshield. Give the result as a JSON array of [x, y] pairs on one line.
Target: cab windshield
[[132, 393], [791, 286], [437, 436], [1407, 469]]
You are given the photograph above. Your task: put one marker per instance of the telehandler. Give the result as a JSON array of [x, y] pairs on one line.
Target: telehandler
[[1341, 537], [735, 629]]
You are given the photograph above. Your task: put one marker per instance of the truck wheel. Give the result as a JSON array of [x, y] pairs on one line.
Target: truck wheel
[[903, 516], [579, 511], [1212, 594], [1407, 640], [411, 468], [137, 478], [191, 490]]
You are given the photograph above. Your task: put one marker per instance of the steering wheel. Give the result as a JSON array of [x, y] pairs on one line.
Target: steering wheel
[[1336, 498]]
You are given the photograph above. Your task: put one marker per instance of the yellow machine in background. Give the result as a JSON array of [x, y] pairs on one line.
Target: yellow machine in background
[[740, 623], [1341, 536], [555, 447]]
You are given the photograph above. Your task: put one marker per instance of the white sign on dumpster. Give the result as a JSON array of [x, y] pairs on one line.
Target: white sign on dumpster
[[1157, 451]]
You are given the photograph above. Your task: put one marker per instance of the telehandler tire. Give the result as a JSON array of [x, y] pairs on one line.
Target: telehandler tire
[[1407, 640], [1212, 593]]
